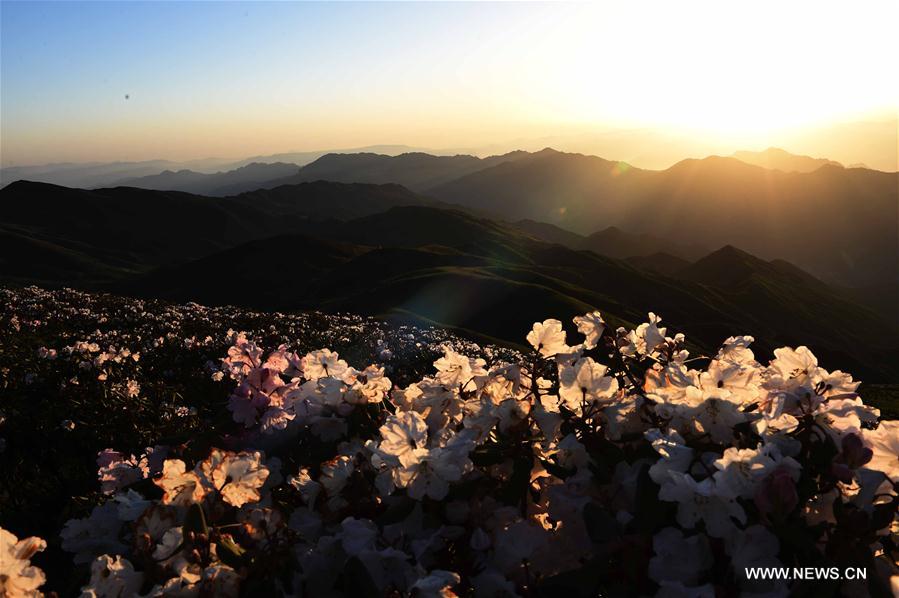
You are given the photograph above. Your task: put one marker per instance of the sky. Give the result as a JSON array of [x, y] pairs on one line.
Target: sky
[[649, 82]]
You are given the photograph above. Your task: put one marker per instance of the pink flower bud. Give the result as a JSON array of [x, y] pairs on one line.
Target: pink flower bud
[[776, 497]]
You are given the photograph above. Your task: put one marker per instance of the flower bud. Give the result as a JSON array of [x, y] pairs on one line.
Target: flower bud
[[776, 497]]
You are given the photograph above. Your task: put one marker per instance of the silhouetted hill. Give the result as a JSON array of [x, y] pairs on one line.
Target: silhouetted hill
[[778, 159], [578, 192], [136, 229], [730, 266], [246, 178]]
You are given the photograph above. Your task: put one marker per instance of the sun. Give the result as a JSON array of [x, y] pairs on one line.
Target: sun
[[719, 67]]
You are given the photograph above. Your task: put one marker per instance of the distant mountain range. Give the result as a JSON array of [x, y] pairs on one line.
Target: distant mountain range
[[417, 171], [92, 175], [95, 174], [384, 250], [778, 159], [838, 223], [255, 175]]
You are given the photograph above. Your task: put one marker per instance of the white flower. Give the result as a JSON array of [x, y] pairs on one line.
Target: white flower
[[711, 412], [308, 488], [798, 364], [591, 325], [416, 474], [403, 432], [132, 388], [884, 442], [741, 382], [323, 363], [548, 338], [585, 383], [180, 487], [18, 577], [436, 585], [754, 547], [369, 386], [458, 371], [736, 350], [427, 472], [220, 580], [131, 505], [646, 338], [93, 535], [357, 535], [237, 476], [678, 558], [700, 501], [115, 471], [740, 470], [112, 576], [675, 455], [336, 473]]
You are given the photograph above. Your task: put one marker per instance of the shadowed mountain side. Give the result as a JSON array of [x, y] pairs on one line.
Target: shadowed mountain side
[[26, 259], [882, 298], [660, 263], [730, 266], [457, 270], [137, 229], [612, 241]]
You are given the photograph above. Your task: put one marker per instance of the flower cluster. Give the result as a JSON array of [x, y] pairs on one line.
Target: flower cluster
[[618, 465]]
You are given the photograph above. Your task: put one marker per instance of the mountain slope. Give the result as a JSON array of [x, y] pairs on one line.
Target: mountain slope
[[612, 242], [838, 223], [126, 229], [660, 263], [457, 270], [381, 249], [548, 186]]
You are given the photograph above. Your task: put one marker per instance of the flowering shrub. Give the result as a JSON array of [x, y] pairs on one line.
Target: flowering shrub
[[619, 465]]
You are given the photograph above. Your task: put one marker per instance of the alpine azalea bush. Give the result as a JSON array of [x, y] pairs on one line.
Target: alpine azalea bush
[[617, 466]]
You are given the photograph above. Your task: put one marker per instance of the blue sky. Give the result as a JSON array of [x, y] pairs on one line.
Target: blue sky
[[237, 78]]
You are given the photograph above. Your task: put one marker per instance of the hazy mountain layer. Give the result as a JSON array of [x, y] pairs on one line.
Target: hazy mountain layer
[[778, 159], [246, 178]]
